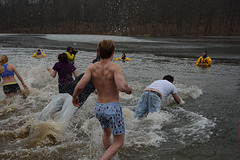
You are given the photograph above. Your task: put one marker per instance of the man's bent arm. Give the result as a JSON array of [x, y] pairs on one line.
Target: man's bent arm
[[120, 81]]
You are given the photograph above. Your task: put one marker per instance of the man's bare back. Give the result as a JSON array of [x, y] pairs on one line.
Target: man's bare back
[[108, 80], [102, 74]]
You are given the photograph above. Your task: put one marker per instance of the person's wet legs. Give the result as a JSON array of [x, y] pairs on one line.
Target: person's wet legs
[[142, 107], [154, 103], [53, 107], [118, 141]]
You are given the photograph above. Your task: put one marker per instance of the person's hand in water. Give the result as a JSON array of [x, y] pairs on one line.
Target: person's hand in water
[[24, 86], [130, 91], [75, 101]]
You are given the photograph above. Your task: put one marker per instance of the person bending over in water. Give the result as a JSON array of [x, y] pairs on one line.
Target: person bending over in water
[[151, 99], [108, 80], [64, 70], [10, 85]]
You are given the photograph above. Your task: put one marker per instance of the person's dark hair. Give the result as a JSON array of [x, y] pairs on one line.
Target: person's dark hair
[[38, 50], [169, 78], [63, 58], [106, 48]]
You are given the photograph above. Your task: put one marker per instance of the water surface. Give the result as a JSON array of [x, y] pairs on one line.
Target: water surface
[[205, 126]]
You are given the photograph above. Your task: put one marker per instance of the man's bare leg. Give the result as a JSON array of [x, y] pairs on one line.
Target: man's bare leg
[[118, 141], [106, 138]]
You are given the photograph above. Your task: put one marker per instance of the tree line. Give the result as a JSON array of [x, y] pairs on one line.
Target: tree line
[[122, 17]]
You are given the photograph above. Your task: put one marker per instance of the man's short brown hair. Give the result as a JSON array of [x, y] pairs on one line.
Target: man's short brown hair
[[106, 48]]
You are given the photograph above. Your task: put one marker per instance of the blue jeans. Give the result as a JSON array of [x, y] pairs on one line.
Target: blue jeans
[[149, 102]]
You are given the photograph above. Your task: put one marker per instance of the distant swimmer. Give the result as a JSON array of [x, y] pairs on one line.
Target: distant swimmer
[[123, 58], [71, 54], [39, 54], [64, 70], [152, 97], [108, 80], [10, 85], [204, 60]]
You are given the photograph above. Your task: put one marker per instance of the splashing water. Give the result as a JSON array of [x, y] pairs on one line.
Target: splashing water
[[24, 136]]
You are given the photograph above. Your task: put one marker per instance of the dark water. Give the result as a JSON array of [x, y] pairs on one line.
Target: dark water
[[205, 126]]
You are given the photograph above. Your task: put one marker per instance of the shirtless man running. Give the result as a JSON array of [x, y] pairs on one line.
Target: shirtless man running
[[108, 80]]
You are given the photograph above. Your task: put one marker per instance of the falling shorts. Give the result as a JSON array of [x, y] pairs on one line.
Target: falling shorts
[[11, 88], [110, 115]]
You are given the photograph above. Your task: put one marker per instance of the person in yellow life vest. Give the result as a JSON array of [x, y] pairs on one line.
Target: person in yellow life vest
[[123, 57], [71, 54], [39, 54], [204, 60]]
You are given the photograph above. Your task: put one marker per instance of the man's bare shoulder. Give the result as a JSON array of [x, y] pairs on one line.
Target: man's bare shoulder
[[111, 65], [115, 66], [91, 66]]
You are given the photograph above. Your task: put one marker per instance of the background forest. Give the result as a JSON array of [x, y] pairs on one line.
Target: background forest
[[122, 17]]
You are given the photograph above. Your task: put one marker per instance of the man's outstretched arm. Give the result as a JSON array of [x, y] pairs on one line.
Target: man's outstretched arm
[[80, 86], [176, 98]]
